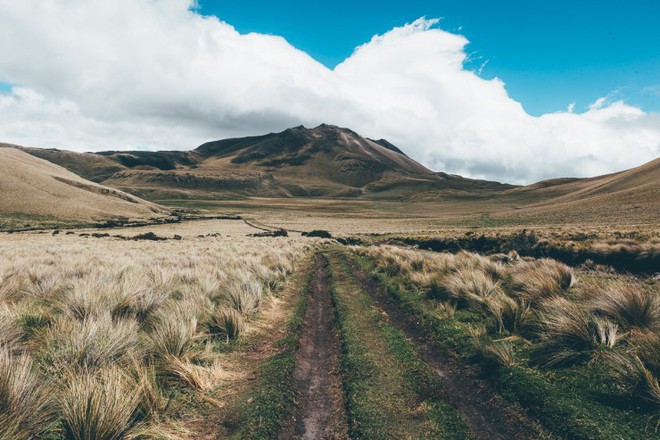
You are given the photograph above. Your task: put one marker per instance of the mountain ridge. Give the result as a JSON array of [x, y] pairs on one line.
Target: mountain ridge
[[325, 161]]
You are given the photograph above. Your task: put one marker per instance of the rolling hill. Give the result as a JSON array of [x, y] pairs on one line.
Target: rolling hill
[[33, 188]]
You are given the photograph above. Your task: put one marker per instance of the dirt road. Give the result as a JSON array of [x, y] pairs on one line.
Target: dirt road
[[321, 410]]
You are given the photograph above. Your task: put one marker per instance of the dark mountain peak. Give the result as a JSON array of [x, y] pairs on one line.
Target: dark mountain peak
[[321, 138], [328, 128]]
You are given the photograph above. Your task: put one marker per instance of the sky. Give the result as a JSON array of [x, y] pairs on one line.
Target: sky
[[511, 91]]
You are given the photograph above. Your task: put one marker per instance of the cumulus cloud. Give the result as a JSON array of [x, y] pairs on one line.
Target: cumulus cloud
[[93, 74]]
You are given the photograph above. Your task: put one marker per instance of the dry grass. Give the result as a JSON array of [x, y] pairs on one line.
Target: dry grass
[[26, 406], [226, 323], [540, 279], [630, 306], [569, 333], [96, 334]]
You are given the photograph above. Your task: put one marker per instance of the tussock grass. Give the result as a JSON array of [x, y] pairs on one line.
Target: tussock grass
[[226, 323], [569, 333], [583, 372], [632, 371], [11, 289], [26, 406], [244, 295], [100, 338], [100, 406], [470, 286], [11, 331], [174, 335], [495, 354], [87, 345], [630, 306], [540, 279]]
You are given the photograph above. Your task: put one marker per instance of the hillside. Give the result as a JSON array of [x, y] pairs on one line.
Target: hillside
[[33, 188], [629, 194]]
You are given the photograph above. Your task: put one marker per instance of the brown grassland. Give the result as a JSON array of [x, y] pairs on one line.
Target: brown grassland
[[102, 338]]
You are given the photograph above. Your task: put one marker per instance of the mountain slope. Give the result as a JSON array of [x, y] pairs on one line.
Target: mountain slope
[[90, 166], [30, 186], [325, 161]]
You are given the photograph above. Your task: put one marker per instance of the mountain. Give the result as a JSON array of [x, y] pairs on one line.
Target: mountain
[[31, 187], [325, 161]]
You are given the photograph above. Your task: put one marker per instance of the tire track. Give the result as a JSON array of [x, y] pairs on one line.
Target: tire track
[[321, 404]]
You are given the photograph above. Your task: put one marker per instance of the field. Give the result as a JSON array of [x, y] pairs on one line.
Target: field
[[221, 329]]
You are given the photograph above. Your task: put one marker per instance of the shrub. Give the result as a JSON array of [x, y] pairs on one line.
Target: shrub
[[319, 233]]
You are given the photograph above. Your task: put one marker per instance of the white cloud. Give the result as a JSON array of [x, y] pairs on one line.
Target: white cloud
[[153, 73]]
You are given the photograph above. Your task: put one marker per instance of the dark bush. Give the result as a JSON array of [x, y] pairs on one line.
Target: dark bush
[[317, 233]]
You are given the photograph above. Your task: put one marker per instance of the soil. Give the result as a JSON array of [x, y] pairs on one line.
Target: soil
[[477, 402], [321, 410]]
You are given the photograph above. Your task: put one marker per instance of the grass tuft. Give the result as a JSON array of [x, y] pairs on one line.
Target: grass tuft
[[226, 323], [26, 408], [630, 306]]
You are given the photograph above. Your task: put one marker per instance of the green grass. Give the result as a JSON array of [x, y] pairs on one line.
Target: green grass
[[273, 399], [572, 403], [391, 392]]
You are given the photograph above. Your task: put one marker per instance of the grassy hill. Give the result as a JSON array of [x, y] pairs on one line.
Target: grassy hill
[[35, 189], [630, 194]]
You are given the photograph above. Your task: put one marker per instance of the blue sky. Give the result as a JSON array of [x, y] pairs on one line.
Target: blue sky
[[549, 53]]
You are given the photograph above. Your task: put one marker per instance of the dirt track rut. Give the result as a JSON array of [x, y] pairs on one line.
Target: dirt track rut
[[321, 410]]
